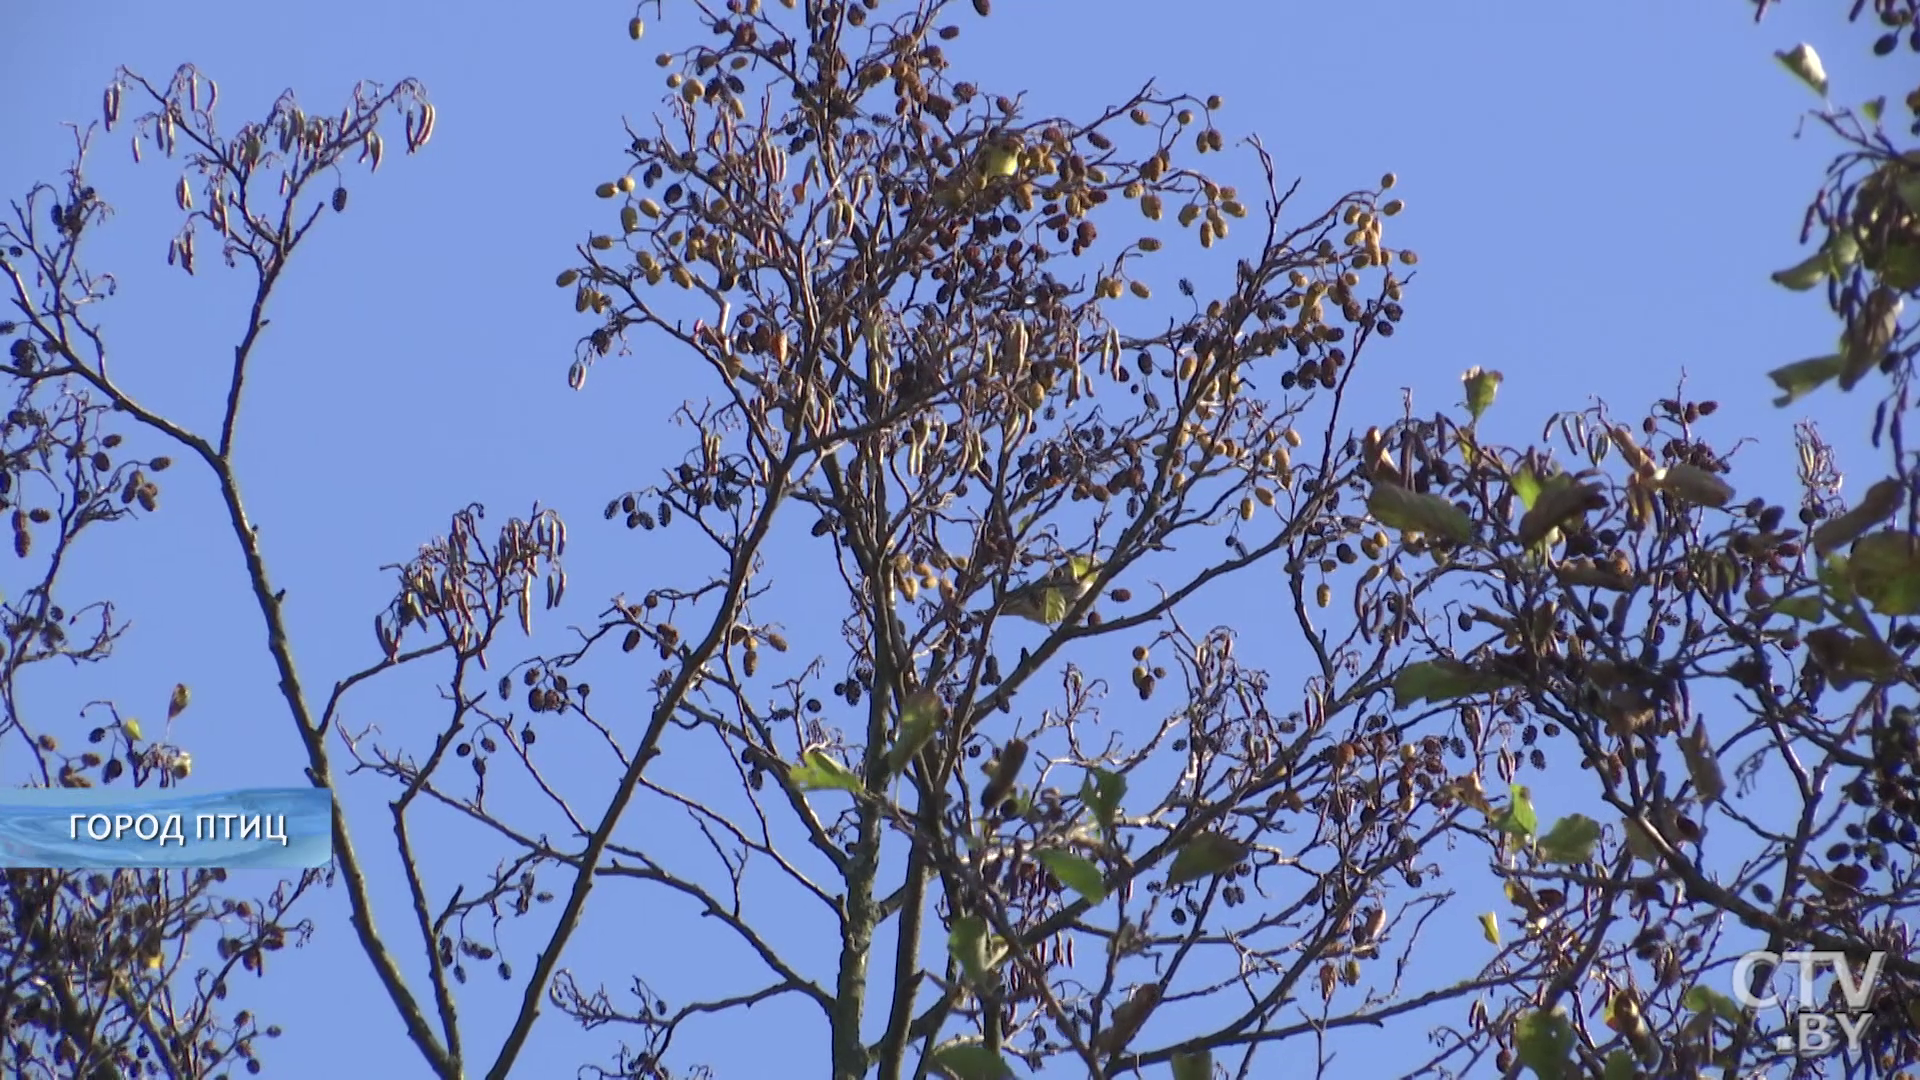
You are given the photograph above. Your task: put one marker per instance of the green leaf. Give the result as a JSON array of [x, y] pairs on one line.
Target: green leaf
[[1518, 817], [1900, 265], [1076, 873], [1804, 274], [1806, 608], [919, 719], [974, 949], [1398, 508], [1803, 377], [1571, 840], [1544, 1042], [1619, 1066], [819, 771], [1481, 387], [1490, 927], [1878, 504], [1559, 500], [1441, 680], [1102, 791], [1693, 484], [1873, 110], [1885, 569], [1205, 855], [1193, 1065], [1805, 65], [1870, 333], [1527, 486], [969, 1059], [1701, 998]]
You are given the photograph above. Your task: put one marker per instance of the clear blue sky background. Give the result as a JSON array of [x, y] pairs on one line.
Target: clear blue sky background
[[1597, 192]]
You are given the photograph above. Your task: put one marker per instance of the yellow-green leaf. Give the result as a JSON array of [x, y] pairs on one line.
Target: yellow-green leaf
[[1490, 928], [1441, 680], [1481, 388], [1803, 377], [1102, 791], [1398, 508], [1701, 998], [1691, 483], [1869, 335], [1619, 1066], [131, 727], [1885, 569], [1544, 1043], [1555, 504], [1570, 841], [177, 704], [1205, 855], [1900, 265], [919, 719], [1076, 873], [1192, 1065], [1804, 274], [1805, 65], [974, 949], [1517, 818], [1806, 608], [819, 771], [969, 1059]]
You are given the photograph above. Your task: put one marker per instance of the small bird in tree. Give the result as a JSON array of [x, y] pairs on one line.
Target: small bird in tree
[[1047, 599]]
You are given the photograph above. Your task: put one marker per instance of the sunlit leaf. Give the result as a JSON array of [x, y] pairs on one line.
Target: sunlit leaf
[[1441, 680], [976, 950], [1517, 818], [1873, 110], [131, 728], [1870, 333], [1102, 792], [1701, 998], [819, 771], [1556, 504], [1481, 388], [1193, 1065], [1804, 274], [1490, 927], [919, 719], [1205, 855], [177, 703], [1900, 265], [1527, 487], [1570, 841], [1850, 658], [1075, 873], [1703, 765], [1803, 377], [1806, 608], [1805, 65], [1544, 1043], [1693, 484], [1398, 508], [969, 1059], [1885, 568]]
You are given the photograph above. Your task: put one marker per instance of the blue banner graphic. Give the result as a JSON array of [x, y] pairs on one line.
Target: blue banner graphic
[[92, 828]]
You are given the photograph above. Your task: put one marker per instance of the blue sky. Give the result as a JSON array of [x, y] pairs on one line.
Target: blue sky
[[1597, 193]]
